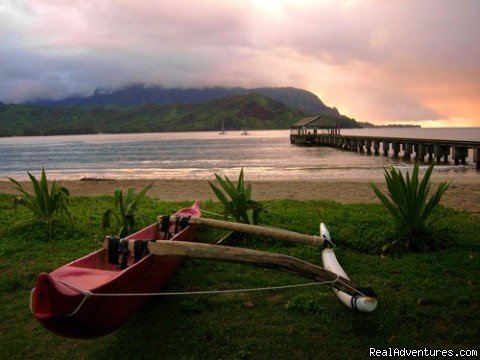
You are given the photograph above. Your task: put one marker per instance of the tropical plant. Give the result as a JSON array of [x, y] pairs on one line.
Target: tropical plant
[[125, 209], [46, 204], [237, 200], [408, 204]]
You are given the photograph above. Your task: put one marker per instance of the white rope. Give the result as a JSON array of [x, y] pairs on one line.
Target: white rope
[[205, 292], [351, 288], [87, 294], [335, 281], [346, 285], [211, 292]]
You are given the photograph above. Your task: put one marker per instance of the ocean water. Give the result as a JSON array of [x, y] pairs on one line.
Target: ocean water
[[265, 155]]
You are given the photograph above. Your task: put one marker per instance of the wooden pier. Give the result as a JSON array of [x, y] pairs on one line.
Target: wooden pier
[[313, 131], [438, 150]]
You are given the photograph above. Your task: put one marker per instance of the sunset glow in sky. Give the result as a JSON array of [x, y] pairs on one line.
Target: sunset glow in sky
[[399, 61]]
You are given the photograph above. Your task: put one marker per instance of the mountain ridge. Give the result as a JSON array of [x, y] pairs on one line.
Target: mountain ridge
[[254, 110], [140, 94]]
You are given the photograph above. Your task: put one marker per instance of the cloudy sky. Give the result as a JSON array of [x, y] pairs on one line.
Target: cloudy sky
[[378, 61]]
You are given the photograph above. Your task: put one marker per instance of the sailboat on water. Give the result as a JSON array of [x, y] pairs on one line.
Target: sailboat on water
[[222, 132], [245, 132]]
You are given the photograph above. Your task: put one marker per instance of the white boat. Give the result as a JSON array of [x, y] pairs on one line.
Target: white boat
[[222, 132], [360, 302], [245, 132]]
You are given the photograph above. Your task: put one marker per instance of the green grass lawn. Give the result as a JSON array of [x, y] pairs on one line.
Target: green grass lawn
[[425, 299]]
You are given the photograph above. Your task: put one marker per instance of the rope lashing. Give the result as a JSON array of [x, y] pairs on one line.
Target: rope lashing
[[140, 249], [125, 252], [87, 294], [116, 248], [184, 222], [113, 252], [327, 243], [177, 224], [165, 226]]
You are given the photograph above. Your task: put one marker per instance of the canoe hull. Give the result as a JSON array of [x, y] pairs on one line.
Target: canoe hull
[[59, 301]]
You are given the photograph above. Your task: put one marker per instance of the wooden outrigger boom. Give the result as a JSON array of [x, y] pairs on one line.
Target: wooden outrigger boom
[[362, 299], [255, 258], [279, 234]]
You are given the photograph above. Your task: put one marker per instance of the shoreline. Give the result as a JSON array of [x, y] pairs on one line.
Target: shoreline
[[463, 194]]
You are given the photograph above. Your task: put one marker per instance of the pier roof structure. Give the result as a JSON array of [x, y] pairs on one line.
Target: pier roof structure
[[321, 122]]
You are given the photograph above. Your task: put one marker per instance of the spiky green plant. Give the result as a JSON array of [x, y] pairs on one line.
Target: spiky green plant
[[125, 209], [46, 204], [409, 205], [237, 200]]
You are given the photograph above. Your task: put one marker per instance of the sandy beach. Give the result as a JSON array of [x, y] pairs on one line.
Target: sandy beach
[[463, 194]]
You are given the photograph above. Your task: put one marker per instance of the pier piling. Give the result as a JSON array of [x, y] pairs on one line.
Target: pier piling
[[420, 152], [354, 145], [407, 151], [368, 146], [396, 149], [361, 144], [459, 154], [441, 152], [430, 152], [476, 156], [385, 147]]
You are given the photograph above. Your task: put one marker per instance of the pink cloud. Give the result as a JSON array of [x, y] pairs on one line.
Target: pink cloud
[[395, 60]]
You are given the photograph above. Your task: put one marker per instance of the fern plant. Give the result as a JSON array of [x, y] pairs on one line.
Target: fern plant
[[407, 201], [46, 204], [125, 209], [237, 199]]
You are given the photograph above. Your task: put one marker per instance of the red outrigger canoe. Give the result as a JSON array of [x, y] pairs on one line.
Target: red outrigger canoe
[[61, 301]]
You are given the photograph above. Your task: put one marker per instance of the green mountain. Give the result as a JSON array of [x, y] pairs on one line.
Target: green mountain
[[140, 94], [253, 110]]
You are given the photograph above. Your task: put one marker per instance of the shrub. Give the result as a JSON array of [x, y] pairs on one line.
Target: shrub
[[46, 204], [407, 203], [237, 200], [124, 211]]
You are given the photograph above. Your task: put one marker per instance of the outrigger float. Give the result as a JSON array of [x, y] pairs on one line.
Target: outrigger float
[[96, 294]]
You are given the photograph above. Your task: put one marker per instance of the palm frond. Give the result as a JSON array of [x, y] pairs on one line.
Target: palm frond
[[106, 219]]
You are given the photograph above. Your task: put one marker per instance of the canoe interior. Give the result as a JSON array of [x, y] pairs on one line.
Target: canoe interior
[[94, 270], [57, 295]]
